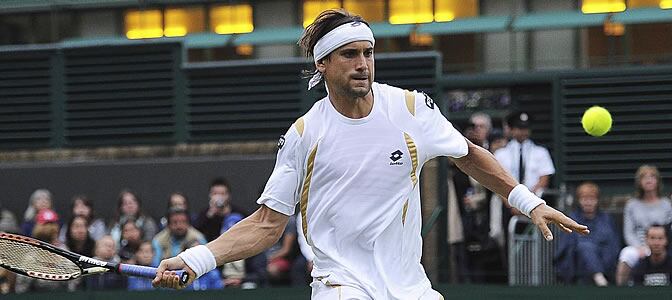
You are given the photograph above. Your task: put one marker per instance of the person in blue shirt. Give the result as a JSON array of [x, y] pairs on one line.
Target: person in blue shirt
[[144, 257], [176, 237], [589, 259]]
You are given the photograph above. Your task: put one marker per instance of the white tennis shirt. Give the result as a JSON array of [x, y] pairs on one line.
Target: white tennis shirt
[[356, 183]]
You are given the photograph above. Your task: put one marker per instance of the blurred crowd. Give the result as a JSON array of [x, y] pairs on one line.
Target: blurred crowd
[[134, 237], [624, 248]]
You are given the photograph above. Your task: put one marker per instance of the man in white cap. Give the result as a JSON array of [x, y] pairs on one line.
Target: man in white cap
[[352, 165]]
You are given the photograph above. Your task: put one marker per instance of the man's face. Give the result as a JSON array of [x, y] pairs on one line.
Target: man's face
[[178, 224], [520, 134], [656, 240], [349, 70]]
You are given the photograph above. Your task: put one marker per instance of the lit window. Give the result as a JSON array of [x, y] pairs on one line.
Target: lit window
[[371, 11], [312, 8], [665, 4], [227, 19], [644, 3], [180, 21], [141, 24], [410, 12], [602, 6], [448, 10]]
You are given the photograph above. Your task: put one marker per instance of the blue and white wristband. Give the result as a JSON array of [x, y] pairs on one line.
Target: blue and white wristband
[[200, 259], [524, 200]]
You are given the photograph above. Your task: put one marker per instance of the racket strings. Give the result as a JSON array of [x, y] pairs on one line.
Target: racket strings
[[36, 262]]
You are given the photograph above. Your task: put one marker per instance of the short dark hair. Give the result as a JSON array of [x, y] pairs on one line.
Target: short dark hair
[[220, 181], [174, 212], [326, 21], [656, 225]]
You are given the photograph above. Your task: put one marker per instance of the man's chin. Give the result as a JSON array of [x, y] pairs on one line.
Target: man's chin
[[360, 91]]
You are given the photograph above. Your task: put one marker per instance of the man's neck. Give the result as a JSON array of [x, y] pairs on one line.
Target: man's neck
[[352, 107]]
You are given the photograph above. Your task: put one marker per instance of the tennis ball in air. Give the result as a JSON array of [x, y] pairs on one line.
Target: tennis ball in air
[[596, 121]]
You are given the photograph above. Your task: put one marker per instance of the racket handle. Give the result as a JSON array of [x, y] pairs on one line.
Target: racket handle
[[149, 272]]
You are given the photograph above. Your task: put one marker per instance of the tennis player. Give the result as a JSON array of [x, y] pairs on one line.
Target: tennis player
[[352, 165]]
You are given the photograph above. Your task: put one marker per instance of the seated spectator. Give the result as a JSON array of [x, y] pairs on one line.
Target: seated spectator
[[589, 259], [176, 201], [655, 269], [46, 229], [144, 256], [79, 241], [219, 216], [40, 199], [130, 207], [8, 221], [7, 281], [647, 208], [281, 255], [176, 237], [131, 237], [82, 206], [106, 250]]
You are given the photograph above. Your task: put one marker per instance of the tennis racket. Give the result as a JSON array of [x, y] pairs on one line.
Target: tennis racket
[[35, 258]]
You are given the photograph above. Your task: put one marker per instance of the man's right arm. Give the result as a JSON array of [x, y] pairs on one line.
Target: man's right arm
[[248, 237]]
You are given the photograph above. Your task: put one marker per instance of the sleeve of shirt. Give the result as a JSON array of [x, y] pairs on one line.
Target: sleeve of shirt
[[441, 138], [545, 162], [281, 189], [628, 225]]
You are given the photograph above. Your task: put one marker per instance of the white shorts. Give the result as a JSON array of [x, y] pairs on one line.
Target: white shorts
[[630, 255], [322, 291]]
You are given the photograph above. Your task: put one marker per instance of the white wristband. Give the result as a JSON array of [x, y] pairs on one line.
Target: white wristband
[[524, 200], [200, 259]]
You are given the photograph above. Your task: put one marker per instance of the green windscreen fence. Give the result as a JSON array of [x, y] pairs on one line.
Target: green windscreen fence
[[25, 98], [641, 107], [242, 101], [120, 94]]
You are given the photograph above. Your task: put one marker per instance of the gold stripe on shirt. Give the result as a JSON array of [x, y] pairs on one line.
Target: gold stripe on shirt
[[414, 157], [410, 101], [304, 191], [299, 126], [403, 213]]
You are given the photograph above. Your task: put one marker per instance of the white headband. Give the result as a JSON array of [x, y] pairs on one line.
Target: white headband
[[339, 36]]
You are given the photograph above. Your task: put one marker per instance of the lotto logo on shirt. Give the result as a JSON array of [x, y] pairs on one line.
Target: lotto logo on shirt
[[395, 156]]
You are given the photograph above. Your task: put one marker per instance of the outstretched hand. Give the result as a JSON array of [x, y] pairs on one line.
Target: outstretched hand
[[168, 279], [543, 215]]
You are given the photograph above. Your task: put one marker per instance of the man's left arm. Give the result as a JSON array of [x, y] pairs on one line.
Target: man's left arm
[[482, 166]]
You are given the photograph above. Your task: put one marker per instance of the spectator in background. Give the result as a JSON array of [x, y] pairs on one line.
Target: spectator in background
[[39, 200], [82, 207], [219, 216], [482, 126], [589, 259], [496, 140], [7, 281], [647, 208], [144, 256], [176, 237], [176, 201], [131, 237], [528, 162], [106, 250], [78, 240], [46, 229], [281, 255], [655, 269], [130, 207], [8, 221]]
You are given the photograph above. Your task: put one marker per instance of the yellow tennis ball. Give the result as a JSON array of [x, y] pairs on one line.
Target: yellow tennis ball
[[596, 121]]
